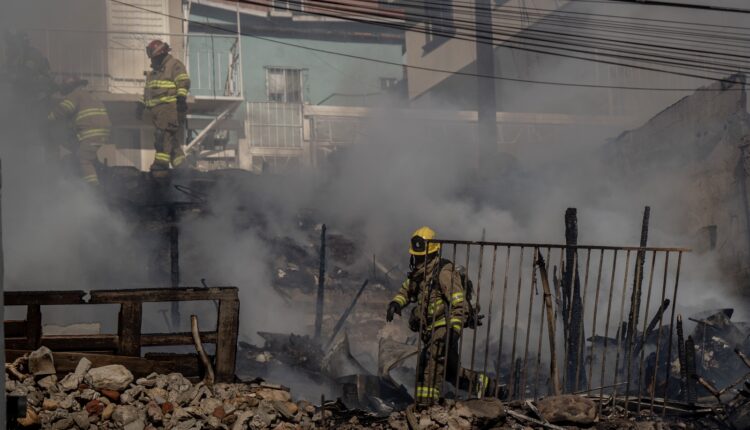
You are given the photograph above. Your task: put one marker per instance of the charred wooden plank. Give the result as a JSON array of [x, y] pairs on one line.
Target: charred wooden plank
[[162, 295], [228, 327], [99, 342], [129, 329], [22, 298], [15, 328], [33, 326], [173, 339], [65, 362]]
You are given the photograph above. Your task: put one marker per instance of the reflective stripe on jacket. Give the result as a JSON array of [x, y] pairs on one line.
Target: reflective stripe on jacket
[[86, 112], [165, 83], [441, 295]]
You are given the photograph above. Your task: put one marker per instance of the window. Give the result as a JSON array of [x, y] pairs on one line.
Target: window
[[439, 23], [284, 85]]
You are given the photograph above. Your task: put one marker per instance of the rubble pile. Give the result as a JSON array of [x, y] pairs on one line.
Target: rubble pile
[[109, 397]]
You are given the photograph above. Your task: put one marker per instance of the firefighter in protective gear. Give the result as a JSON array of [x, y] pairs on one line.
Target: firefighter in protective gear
[[441, 311], [165, 98], [89, 120]]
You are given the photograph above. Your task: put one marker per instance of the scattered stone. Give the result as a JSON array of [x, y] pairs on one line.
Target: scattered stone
[[41, 362], [81, 419], [567, 409], [50, 405], [154, 413], [113, 377], [274, 394], [125, 414], [110, 394], [31, 418], [287, 409], [94, 407], [108, 411], [167, 408], [47, 382]]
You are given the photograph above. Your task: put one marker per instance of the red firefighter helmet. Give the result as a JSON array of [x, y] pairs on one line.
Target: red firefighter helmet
[[156, 47]]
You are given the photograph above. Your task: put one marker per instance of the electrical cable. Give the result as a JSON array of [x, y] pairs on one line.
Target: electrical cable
[[524, 46], [450, 72]]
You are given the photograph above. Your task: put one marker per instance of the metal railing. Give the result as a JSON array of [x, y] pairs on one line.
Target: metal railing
[[274, 125], [562, 319]]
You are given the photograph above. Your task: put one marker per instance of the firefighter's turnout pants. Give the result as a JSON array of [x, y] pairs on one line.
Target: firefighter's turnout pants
[[169, 134], [439, 361]]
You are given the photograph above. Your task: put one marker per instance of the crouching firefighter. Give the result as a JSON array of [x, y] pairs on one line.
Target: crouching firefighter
[[89, 120], [442, 310], [165, 97]]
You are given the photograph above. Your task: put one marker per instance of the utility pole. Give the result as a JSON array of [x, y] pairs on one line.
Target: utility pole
[[486, 102]]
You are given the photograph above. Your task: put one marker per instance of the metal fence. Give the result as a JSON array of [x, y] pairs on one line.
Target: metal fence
[[274, 125], [562, 319]]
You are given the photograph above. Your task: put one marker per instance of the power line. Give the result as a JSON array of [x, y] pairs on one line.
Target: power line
[[673, 4], [450, 72], [721, 67], [525, 46]]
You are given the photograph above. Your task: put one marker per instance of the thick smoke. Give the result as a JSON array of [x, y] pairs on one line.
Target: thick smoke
[[405, 173]]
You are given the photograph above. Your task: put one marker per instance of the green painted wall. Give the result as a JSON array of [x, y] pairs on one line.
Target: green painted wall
[[325, 73]]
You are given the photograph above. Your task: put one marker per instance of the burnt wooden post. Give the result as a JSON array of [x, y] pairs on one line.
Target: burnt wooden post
[[129, 329], [174, 260], [635, 297], [227, 328], [572, 305], [321, 284], [34, 326]]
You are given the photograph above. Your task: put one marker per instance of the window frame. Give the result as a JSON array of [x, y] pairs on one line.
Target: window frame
[[300, 72]]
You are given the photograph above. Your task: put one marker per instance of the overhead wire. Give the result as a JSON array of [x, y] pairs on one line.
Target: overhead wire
[[323, 4], [430, 69], [700, 65]]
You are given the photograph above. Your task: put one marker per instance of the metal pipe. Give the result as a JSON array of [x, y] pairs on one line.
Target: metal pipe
[[620, 334], [476, 309], [489, 313], [580, 362], [554, 376], [559, 246], [658, 335], [532, 291], [606, 327], [515, 323], [498, 361], [644, 335], [671, 320]]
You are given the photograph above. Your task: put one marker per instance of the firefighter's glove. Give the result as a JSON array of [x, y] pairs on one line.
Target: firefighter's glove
[[393, 308], [139, 108], [182, 105]]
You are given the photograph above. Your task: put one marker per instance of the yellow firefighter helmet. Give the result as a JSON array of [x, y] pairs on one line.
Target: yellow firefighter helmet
[[419, 242]]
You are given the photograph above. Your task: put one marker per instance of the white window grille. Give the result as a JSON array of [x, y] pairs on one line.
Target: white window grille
[[284, 85]]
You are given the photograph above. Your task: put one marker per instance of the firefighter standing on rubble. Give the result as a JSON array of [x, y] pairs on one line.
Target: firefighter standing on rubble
[[165, 97], [441, 312], [89, 120]]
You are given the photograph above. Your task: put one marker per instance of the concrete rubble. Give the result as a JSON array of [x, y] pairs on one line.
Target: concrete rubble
[[108, 397]]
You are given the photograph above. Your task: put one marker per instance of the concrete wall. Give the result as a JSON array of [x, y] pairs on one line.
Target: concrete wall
[[454, 54], [691, 150]]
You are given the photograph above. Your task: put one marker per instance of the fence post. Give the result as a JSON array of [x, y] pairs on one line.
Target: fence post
[[129, 329], [227, 328]]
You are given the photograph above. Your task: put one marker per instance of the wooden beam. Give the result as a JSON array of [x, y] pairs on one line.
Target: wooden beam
[[22, 298], [65, 362], [15, 328], [129, 329], [228, 326], [172, 339], [99, 342], [162, 295], [33, 326]]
